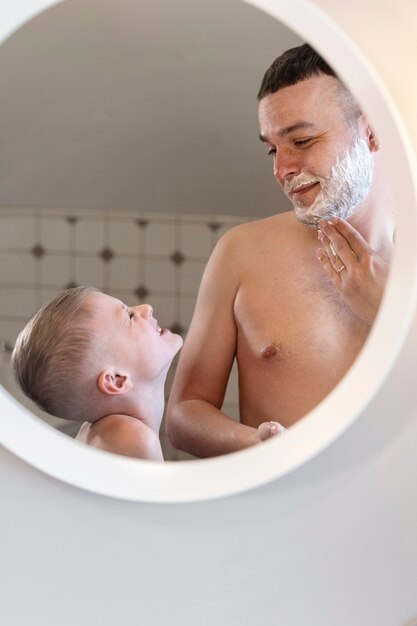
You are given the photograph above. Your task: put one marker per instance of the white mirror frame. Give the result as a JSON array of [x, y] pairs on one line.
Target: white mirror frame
[[57, 455]]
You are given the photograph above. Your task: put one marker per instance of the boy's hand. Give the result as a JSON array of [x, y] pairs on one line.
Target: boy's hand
[[266, 430]]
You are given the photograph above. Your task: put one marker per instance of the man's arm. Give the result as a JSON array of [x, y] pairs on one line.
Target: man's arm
[[195, 422]]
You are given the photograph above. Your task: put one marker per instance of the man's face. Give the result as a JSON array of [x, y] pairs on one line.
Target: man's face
[[322, 162], [131, 338]]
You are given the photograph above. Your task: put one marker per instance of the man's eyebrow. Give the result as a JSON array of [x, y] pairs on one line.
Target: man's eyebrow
[[290, 129]]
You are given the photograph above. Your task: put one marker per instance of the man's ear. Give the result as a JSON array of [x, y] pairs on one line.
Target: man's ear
[[370, 137], [114, 384], [373, 142]]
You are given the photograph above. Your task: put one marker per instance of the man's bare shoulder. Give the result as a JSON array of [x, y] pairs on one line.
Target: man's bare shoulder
[[281, 230], [279, 224]]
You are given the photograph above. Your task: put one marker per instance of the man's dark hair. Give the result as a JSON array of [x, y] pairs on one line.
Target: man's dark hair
[[293, 66], [298, 64]]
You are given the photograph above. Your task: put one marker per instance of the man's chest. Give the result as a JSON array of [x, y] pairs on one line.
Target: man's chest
[[291, 315]]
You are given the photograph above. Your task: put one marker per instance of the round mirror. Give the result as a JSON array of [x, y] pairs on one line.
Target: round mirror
[[122, 477]]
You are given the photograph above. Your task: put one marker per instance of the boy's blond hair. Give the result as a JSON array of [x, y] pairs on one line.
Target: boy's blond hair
[[54, 354]]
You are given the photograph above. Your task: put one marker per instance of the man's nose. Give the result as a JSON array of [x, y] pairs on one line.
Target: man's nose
[[286, 166]]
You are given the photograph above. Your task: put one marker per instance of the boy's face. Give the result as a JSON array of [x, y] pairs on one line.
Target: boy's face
[[132, 338]]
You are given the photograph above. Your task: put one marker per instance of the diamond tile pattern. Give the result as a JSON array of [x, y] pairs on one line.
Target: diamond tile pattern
[[141, 292], [107, 254], [38, 251], [177, 258], [152, 257]]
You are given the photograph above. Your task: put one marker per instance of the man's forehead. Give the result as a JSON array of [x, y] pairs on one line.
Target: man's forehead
[[308, 102], [293, 128]]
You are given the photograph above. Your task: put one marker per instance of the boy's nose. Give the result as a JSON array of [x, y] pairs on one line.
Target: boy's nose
[[144, 310]]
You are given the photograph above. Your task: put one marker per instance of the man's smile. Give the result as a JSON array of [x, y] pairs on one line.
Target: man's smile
[[303, 189]]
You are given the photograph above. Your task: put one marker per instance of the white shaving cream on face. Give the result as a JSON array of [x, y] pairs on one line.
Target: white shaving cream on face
[[347, 186]]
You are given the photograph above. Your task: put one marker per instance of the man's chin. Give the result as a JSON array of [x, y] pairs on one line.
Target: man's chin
[[311, 219]]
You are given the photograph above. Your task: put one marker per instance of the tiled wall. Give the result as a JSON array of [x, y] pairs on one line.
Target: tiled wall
[[137, 257]]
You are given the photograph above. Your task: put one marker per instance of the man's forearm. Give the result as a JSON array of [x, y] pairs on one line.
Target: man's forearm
[[199, 428]]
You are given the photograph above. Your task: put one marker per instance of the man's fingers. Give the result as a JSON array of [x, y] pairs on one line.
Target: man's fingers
[[323, 257], [355, 240]]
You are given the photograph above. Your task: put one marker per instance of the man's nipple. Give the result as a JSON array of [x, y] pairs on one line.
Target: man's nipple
[[270, 351]]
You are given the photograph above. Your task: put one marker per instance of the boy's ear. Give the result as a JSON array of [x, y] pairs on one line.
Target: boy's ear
[[114, 384]]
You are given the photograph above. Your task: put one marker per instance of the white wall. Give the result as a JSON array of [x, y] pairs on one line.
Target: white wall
[[333, 543], [139, 105]]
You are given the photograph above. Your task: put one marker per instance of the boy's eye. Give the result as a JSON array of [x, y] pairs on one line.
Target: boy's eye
[[271, 151]]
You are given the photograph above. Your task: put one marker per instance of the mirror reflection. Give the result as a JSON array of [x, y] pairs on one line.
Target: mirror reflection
[[134, 160]]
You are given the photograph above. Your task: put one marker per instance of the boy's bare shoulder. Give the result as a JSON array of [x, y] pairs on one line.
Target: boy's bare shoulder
[[122, 434]]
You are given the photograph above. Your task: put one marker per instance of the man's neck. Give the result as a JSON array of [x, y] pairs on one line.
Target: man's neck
[[374, 220]]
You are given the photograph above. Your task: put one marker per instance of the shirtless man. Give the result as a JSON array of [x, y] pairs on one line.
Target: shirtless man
[[292, 296]]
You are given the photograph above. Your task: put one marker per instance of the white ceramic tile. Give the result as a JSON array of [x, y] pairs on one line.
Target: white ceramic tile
[[232, 411], [89, 235], [186, 306], [223, 230], [160, 275], [195, 240], [190, 276], [55, 234], [18, 302], [56, 269], [17, 232], [46, 294], [124, 274], [125, 237], [18, 268], [164, 309], [89, 271], [10, 329], [160, 238]]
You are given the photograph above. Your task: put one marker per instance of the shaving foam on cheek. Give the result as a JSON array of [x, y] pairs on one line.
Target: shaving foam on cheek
[[347, 186]]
